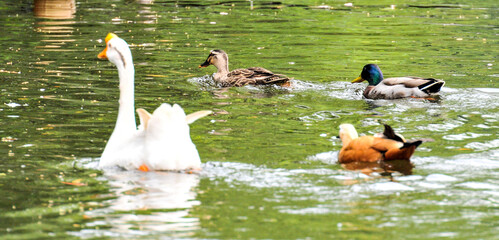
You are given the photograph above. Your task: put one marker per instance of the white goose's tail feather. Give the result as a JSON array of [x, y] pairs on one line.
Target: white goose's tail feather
[[168, 143]]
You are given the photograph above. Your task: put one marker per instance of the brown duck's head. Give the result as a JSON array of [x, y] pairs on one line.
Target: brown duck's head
[[217, 58]]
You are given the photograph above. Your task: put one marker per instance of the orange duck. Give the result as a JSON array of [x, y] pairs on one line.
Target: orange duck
[[380, 148]]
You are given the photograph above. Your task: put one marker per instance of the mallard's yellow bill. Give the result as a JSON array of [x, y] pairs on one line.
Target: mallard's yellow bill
[[357, 80]]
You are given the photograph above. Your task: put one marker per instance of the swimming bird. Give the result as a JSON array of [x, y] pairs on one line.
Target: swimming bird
[[381, 147], [397, 87], [242, 76], [162, 141]]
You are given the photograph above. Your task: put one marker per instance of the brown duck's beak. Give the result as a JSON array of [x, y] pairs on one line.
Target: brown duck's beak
[[357, 80], [207, 62]]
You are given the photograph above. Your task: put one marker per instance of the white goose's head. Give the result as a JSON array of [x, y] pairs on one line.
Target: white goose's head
[[117, 51]]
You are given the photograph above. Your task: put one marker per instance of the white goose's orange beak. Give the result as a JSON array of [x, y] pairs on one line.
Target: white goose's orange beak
[[102, 55]]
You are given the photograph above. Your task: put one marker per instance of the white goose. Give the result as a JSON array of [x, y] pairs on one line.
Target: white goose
[[162, 141]]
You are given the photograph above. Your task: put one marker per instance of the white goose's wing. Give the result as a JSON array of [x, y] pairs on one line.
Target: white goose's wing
[[197, 115], [144, 117], [168, 144]]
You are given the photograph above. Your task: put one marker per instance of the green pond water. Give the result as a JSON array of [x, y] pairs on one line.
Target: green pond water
[[269, 154]]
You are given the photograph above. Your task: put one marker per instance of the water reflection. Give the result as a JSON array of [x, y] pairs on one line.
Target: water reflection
[[55, 33], [145, 1], [58, 30], [147, 203], [206, 83], [55, 9], [384, 167], [146, 13]]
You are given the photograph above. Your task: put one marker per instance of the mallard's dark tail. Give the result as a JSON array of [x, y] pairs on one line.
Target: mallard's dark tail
[[432, 86]]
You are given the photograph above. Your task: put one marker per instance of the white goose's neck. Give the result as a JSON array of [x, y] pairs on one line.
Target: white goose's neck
[[126, 112]]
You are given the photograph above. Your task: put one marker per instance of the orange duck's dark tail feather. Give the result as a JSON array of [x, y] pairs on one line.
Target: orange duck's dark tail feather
[[390, 134], [413, 143], [403, 153]]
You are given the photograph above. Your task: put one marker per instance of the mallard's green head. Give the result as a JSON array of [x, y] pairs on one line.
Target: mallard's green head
[[370, 73]]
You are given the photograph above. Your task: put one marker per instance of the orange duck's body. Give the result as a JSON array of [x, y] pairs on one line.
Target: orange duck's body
[[383, 147]]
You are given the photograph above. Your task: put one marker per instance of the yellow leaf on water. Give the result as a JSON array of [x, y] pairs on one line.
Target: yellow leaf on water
[[76, 182], [154, 75]]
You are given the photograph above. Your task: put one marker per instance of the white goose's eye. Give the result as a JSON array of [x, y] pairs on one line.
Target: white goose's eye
[[109, 45]]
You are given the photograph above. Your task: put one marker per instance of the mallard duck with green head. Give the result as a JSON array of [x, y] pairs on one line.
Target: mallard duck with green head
[[243, 76], [397, 87]]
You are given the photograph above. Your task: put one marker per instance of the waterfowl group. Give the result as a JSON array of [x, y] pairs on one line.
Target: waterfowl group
[[397, 87], [162, 140], [240, 77]]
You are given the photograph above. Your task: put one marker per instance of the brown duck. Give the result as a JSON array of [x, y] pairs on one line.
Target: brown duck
[[242, 76]]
